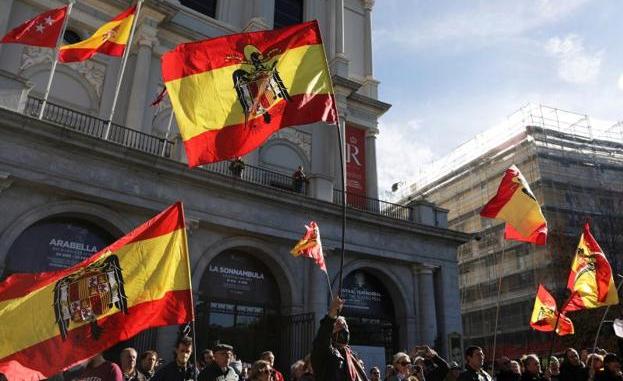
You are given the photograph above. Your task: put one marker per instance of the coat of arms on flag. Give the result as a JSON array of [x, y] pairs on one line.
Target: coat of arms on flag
[[89, 293]]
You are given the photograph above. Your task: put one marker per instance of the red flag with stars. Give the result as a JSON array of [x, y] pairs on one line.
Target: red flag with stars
[[42, 30]]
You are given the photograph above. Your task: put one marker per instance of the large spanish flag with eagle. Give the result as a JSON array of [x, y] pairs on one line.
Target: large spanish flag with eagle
[[51, 321], [515, 204], [111, 39], [590, 280], [545, 316], [230, 93]]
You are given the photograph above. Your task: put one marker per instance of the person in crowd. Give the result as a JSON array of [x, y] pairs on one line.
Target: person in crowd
[[308, 371], [612, 369], [402, 367], [572, 369], [594, 363], [261, 371], [181, 368], [435, 367], [389, 371], [515, 368], [220, 369], [532, 369], [584, 355], [147, 364], [375, 374], [236, 167], [331, 357], [270, 357], [236, 364], [454, 372], [297, 370], [98, 368], [553, 369], [127, 361], [244, 375], [504, 371], [474, 362], [298, 179], [205, 359]]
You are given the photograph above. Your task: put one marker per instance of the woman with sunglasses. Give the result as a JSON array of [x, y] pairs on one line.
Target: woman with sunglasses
[[402, 367], [261, 371]]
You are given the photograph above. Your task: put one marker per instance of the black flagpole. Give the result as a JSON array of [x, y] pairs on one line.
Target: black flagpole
[[343, 175]]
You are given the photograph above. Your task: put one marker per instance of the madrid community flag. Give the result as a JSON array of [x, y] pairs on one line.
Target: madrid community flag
[[111, 39], [310, 246], [590, 280], [42, 30], [545, 314], [516, 205], [51, 321], [230, 93]]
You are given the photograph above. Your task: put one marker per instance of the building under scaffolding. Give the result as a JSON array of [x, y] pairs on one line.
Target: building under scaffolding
[[575, 170]]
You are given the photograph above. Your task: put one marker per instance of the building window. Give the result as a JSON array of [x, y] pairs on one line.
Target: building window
[[71, 37], [288, 12], [206, 7]]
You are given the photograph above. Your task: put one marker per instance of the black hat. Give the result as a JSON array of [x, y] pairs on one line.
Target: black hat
[[222, 347], [610, 357]]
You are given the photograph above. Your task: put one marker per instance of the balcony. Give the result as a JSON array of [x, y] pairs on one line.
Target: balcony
[[89, 125]]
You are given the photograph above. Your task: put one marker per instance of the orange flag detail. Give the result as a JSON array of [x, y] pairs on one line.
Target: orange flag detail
[[545, 313], [53, 320], [590, 281], [310, 246], [515, 204]]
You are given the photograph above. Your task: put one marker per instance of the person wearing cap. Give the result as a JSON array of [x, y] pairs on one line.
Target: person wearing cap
[[612, 369], [331, 357], [180, 369], [220, 369]]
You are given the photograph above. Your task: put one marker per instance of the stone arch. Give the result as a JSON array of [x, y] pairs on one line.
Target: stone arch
[[289, 151], [279, 268], [104, 217]]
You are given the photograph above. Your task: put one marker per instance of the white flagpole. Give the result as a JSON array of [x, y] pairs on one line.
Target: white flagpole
[[56, 52], [124, 61], [166, 135]]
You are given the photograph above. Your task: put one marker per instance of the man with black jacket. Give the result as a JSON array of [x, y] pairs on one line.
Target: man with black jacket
[[332, 358], [474, 360], [220, 369], [435, 367], [611, 370], [180, 369], [532, 369]]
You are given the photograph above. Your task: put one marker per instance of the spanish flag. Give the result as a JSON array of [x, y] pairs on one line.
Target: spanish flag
[[310, 246], [545, 314], [230, 93], [590, 281], [111, 39], [516, 205], [51, 321]]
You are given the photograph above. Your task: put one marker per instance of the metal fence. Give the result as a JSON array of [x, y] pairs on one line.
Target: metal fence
[[93, 126], [372, 205]]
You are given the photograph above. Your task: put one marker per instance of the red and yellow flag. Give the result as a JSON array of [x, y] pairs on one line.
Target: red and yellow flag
[[545, 313], [51, 321], [516, 205], [230, 93], [310, 246], [590, 281], [111, 39]]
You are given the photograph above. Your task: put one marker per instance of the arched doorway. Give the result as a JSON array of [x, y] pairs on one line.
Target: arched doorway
[[370, 313], [239, 304]]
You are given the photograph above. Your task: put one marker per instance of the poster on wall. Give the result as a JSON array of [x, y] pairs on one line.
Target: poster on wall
[[365, 296], [355, 161], [455, 348], [55, 244]]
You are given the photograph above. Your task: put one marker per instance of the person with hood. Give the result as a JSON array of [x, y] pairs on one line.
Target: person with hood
[[572, 369]]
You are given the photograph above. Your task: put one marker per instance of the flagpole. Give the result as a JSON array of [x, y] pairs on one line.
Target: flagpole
[[603, 318], [497, 308], [124, 61], [166, 135], [56, 51]]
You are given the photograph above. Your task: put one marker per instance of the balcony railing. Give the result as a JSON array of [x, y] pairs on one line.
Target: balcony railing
[[372, 205], [256, 175], [93, 126]]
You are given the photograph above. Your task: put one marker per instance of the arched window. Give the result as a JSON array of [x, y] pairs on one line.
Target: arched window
[[206, 7], [288, 12]]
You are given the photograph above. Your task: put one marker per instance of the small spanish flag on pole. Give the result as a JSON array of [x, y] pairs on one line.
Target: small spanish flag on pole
[[110, 39], [231, 93], [515, 204], [590, 280], [51, 321], [545, 316]]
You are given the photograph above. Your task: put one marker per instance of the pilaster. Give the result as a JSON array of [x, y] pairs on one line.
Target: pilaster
[[372, 189], [428, 312]]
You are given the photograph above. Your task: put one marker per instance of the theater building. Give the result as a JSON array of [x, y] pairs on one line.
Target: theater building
[[66, 191]]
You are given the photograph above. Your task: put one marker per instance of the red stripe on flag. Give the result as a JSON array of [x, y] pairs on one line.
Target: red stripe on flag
[[128, 12], [83, 54], [174, 308], [237, 140], [167, 221], [201, 56]]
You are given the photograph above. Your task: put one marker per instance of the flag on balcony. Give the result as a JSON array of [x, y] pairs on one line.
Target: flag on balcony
[[310, 246], [51, 321], [111, 39], [545, 314], [230, 93], [43, 30], [590, 281], [515, 204]]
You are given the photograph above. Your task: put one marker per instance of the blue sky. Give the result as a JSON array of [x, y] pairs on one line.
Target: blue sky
[[452, 69]]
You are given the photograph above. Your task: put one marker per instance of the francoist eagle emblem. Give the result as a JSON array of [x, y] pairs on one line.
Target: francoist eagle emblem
[[259, 87], [89, 293]]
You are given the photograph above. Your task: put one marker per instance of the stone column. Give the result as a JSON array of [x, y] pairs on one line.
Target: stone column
[[7, 6], [146, 40], [372, 188], [340, 63], [415, 271], [339, 174], [322, 173], [428, 315], [367, 48]]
